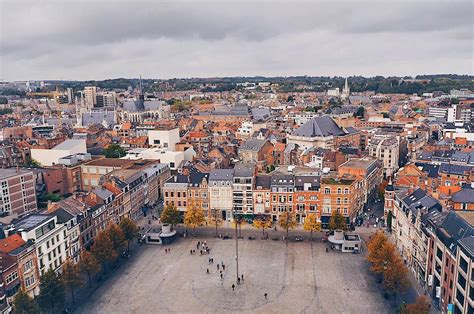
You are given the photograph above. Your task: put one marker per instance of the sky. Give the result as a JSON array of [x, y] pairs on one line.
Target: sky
[[93, 40]]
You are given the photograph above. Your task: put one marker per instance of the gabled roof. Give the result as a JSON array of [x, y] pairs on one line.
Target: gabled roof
[[253, 144], [319, 127], [465, 195]]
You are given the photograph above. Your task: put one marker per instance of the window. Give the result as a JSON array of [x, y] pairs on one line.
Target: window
[[28, 265], [327, 190], [346, 191], [11, 277], [345, 210], [339, 190], [313, 197], [29, 281], [345, 200], [338, 200], [300, 197]]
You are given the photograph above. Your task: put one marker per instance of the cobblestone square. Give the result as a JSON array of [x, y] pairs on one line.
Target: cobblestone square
[[298, 278]]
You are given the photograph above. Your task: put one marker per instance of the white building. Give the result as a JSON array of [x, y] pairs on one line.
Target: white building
[[50, 157], [49, 237], [90, 96], [221, 192], [166, 139], [172, 158], [334, 92], [246, 129], [386, 148]]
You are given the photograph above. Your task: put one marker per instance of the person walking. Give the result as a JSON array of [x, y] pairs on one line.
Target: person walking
[[242, 278], [233, 287], [217, 266], [222, 276], [223, 266], [207, 271], [265, 295]]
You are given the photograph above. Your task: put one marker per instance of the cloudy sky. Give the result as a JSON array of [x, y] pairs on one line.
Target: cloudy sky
[[108, 39]]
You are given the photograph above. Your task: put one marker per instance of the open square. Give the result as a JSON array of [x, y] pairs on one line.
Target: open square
[[298, 278]]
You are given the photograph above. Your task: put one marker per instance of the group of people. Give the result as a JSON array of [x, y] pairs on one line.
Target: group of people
[[205, 249]]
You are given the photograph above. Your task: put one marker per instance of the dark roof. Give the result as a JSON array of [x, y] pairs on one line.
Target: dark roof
[[312, 182], [244, 170], [467, 244], [263, 181], [62, 215], [253, 144], [454, 228], [319, 127], [465, 195], [454, 169]]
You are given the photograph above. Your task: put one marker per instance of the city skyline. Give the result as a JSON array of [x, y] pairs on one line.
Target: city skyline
[[73, 41]]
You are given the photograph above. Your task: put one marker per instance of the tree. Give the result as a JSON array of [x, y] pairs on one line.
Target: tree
[[53, 198], [23, 304], [89, 265], [383, 259], [395, 277], [374, 249], [194, 216], [421, 306], [263, 223], [215, 219], [337, 221], [32, 163], [311, 224], [103, 249], [129, 230], [51, 296], [170, 215], [360, 112], [114, 151], [70, 277], [287, 221], [117, 237]]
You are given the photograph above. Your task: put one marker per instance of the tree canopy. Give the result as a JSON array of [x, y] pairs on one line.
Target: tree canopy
[[337, 221], [170, 215], [51, 296], [23, 304], [114, 151], [311, 224]]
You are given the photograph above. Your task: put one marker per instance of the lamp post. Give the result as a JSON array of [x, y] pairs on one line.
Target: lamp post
[[236, 247]]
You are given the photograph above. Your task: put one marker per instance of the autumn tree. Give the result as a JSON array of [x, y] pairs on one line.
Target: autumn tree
[[194, 217], [70, 277], [170, 215], [263, 223], [287, 221], [374, 248], [89, 265], [395, 277], [337, 221], [421, 306], [117, 238], [23, 304], [311, 224], [103, 249], [215, 219], [129, 230], [51, 296]]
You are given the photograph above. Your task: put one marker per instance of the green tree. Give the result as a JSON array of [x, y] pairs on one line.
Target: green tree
[[23, 304], [360, 112], [389, 220], [115, 233], [51, 296], [311, 224], [53, 198], [31, 163], [70, 277], [287, 221], [103, 249], [114, 151], [129, 230], [89, 265], [170, 215], [194, 216], [337, 221]]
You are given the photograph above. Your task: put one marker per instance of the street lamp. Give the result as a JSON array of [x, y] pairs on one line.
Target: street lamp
[[236, 246]]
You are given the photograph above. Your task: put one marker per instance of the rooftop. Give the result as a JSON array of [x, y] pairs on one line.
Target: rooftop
[[10, 172], [108, 162]]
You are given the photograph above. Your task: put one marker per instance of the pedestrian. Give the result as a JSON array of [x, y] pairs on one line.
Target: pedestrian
[[265, 295], [242, 277], [238, 280], [205, 242], [207, 271], [221, 276], [222, 263], [218, 266], [223, 266], [233, 287], [191, 252], [200, 252]]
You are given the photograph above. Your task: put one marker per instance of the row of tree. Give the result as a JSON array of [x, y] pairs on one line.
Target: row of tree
[[108, 245], [194, 217], [388, 265]]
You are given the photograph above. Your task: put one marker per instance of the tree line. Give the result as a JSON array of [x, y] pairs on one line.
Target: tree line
[[107, 247]]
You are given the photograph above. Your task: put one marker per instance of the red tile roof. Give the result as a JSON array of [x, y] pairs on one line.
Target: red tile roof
[[11, 243]]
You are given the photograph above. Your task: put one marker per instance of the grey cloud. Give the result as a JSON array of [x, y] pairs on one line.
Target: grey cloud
[[56, 39]]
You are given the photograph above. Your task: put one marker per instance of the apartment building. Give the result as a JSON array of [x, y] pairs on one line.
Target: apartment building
[[91, 172], [221, 192], [49, 238], [261, 195], [282, 188], [385, 148], [242, 186], [307, 196], [10, 282], [17, 192]]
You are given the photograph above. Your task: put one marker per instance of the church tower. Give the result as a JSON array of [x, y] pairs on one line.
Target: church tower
[[346, 91]]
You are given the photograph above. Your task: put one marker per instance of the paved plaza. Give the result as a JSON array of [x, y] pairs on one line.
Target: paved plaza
[[298, 278]]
